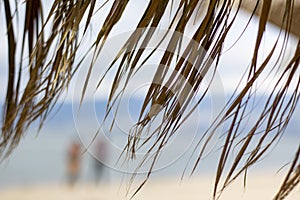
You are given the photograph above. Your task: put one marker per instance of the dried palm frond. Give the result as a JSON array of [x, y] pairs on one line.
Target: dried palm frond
[[49, 74], [175, 92], [292, 178]]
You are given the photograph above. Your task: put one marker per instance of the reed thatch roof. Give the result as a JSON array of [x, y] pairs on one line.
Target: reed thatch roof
[[277, 12], [50, 65]]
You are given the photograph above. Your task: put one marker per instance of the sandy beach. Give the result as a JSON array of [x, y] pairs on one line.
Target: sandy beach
[[258, 187]]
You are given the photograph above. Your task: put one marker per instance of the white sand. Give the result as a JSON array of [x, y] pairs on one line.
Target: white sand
[[258, 188]]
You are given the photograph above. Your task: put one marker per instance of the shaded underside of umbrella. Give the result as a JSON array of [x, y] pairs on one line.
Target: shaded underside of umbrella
[[277, 13]]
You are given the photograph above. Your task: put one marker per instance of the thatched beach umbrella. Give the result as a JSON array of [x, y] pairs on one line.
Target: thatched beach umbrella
[[50, 65]]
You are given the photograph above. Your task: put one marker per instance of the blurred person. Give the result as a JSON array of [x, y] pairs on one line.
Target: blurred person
[[73, 163], [100, 153]]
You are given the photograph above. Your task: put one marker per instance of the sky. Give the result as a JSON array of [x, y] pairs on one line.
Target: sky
[[235, 59]]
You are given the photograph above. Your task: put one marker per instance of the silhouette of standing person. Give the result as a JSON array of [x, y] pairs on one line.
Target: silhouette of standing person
[[100, 156], [73, 163]]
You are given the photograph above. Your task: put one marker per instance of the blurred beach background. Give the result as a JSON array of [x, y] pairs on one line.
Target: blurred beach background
[[37, 168]]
